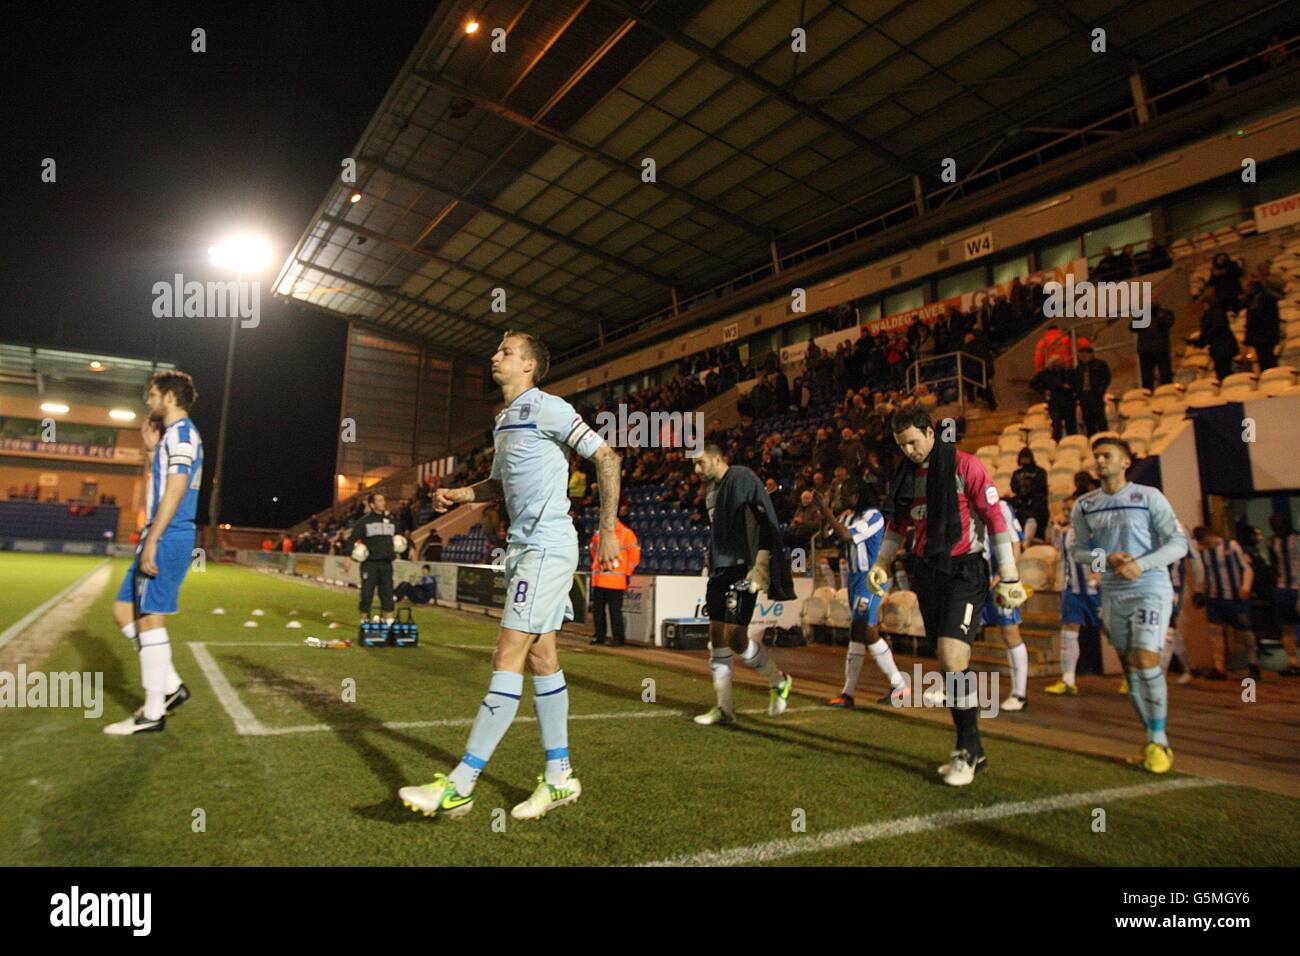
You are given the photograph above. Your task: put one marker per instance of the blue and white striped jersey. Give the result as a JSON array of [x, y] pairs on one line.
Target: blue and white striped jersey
[[1225, 567], [1073, 575], [179, 452], [1178, 570], [1286, 561], [868, 531], [1137, 520], [532, 438]]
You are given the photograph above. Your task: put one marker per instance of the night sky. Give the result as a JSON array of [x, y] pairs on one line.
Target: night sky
[[161, 150]]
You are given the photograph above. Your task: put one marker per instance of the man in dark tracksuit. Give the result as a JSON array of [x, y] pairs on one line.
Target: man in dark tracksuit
[[1091, 379], [746, 556], [375, 529]]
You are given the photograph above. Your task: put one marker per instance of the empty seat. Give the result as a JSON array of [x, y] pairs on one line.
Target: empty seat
[[1169, 389], [1038, 567], [1238, 379], [1200, 386], [1135, 393], [1238, 393], [1203, 400]]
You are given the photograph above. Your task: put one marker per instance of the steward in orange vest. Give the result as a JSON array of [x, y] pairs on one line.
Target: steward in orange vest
[[607, 587]]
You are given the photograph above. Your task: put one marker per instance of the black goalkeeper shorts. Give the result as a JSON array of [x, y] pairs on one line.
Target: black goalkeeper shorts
[[952, 601], [728, 605]]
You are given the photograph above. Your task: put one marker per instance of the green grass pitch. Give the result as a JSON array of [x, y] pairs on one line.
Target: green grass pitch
[[29, 580], [316, 784]]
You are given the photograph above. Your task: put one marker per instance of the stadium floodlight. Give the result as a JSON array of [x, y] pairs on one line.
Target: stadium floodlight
[[121, 414], [471, 27], [97, 366], [355, 198], [242, 254], [54, 408]]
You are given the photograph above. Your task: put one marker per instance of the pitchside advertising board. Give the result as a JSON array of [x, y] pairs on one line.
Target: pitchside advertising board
[[650, 601]]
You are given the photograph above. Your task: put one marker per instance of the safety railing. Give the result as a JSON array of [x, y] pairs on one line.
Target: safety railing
[[970, 373]]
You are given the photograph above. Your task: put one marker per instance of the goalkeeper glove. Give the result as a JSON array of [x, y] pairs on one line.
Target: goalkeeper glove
[[877, 579], [1010, 594], [758, 577]]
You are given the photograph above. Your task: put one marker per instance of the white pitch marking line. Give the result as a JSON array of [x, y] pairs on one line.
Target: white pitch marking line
[[245, 722], [850, 836], [35, 614], [455, 722]]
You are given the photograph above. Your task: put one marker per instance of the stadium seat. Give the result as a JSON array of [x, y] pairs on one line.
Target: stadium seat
[[1237, 393], [1202, 385], [1277, 386], [1204, 399], [1238, 379], [1038, 567], [1134, 394], [817, 607], [1169, 389], [899, 614], [1044, 450], [1077, 442]]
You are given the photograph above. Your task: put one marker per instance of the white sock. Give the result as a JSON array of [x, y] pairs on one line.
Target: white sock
[[1167, 650], [756, 657], [1180, 650], [1069, 653], [173, 681], [884, 658], [1019, 658], [722, 664], [155, 662], [853, 665]]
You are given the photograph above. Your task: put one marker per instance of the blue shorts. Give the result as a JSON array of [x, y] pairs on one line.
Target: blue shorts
[[995, 616], [159, 594], [1231, 613], [864, 605], [538, 582], [1081, 609], [1136, 620]]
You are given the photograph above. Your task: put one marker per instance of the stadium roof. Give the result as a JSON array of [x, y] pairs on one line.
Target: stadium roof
[[57, 373], [523, 170]]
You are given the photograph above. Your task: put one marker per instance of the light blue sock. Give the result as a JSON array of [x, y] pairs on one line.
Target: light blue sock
[[1137, 698], [495, 714], [551, 698], [1151, 687]]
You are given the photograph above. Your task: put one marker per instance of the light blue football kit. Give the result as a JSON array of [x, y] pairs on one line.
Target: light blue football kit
[[533, 437], [1138, 520]]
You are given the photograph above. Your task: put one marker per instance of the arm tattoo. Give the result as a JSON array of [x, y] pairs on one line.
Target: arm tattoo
[[487, 490], [608, 468]]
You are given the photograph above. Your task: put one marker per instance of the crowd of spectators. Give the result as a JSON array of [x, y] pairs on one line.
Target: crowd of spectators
[[834, 420]]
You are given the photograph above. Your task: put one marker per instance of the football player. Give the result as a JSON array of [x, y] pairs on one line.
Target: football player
[[534, 436], [152, 585]]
